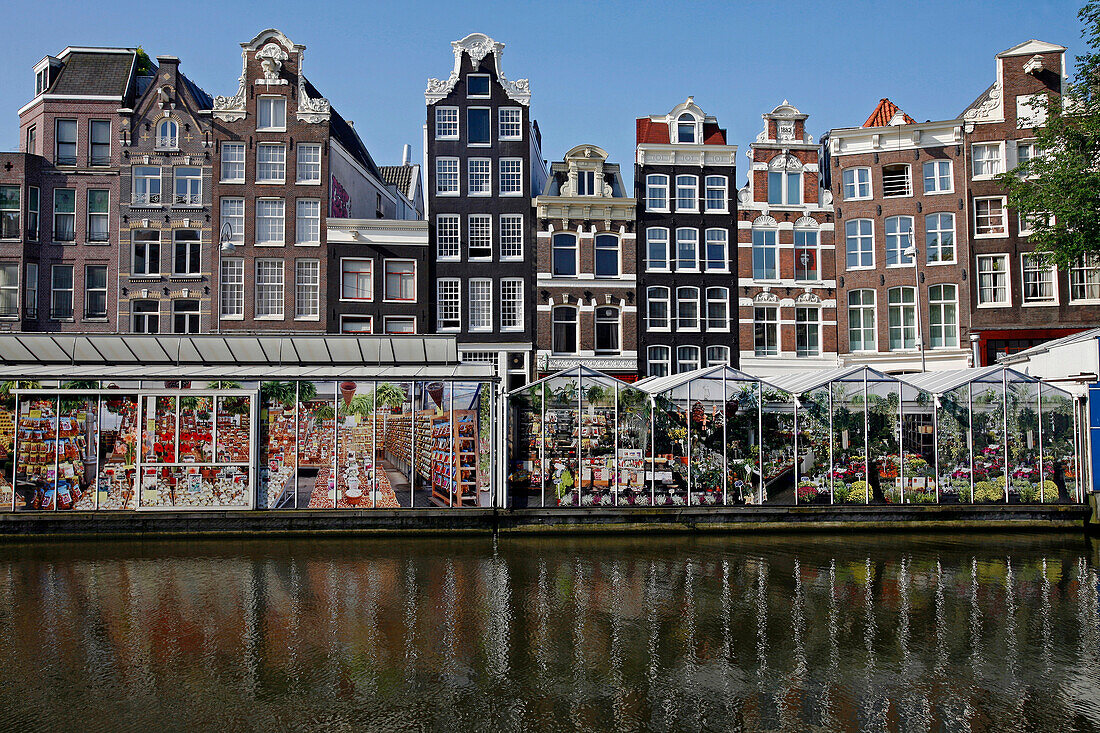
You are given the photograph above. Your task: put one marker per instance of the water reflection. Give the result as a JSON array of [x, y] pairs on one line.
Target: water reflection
[[893, 633]]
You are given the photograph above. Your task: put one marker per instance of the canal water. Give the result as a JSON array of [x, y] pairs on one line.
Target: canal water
[[845, 632]]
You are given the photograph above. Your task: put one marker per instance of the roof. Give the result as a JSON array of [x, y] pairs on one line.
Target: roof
[[658, 385], [202, 99], [578, 372], [92, 72], [346, 135], [1032, 46], [884, 113], [806, 381], [1074, 338], [400, 176], [945, 381], [650, 131]]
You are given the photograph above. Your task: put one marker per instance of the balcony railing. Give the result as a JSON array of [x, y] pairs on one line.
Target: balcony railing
[[165, 142], [188, 199], [896, 182], [145, 198]]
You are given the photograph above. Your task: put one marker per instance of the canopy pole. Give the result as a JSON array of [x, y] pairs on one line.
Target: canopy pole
[[690, 469], [797, 457], [832, 498], [901, 444], [970, 433], [1039, 412], [866, 445], [580, 429], [760, 439], [616, 461], [725, 441], [936, 444], [542, 443], [652, 450], [15, 455], [1004, 425]]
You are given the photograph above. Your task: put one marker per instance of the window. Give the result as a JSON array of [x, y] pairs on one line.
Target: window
[[1025, 151], [61, 292], [987, 159], [1031, 111], [269, 288], [356, 324], [806, 255], [903, 318], [307, 290], [145, 252], [687, 358], [481, 305], [32, 213], [32, 290], [656, 249], [9, 212], [717, 256], [356, 279], [270, 163], [564, 331], [480, 236], [939, 238], [861, 320], [607, 255], [99, 207], [564, 255], [1084, 278], [477, 85], [993, 280], [167, 135], [586, 183], [765, 251], [448, 304], [718, 309], [687, 193], [656, 196], [511, 177], [716, 193], [943, 316], [32, 140], [718, 356], [895, 181], [446, 237], [9, 290], [446, 176], [271, 113], [511, 304], [397, 325], [187, 252], [859, 243], [64, 215], [784, 187], [233, 215], [658, 303], [270, 221], [309, 163], [185, 316], [65, 142], [765, 321], [146, 185], [989, 217], [307, 221], [446, 123], [99, 142], [41, 80], [607, 330], [480, 180], [687, 309], [232, 163], [899, 238], [1039, 279], [477, 126], [511, 236], [232, 287], [510, 120], [807, 331], [658, 361], [937, 176], [685, 129], [145, 316], [188, 186], [857, 183], [399, 280], [687, 249]]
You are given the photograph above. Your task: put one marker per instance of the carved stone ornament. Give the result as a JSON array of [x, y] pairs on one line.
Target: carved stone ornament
[[231, 109], [988, 110], [271, 58], [785, 161], [478, 46], [785, 130], [766, 297], [807, 297], [764, 221], [312, 110], [807, 222]]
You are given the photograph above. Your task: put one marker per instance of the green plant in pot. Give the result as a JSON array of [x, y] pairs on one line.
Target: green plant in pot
[[390, 396]]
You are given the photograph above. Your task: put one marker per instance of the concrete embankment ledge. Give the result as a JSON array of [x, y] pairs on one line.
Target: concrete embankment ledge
[[305, 522]]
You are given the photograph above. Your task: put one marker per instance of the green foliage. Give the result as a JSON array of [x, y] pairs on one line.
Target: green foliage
[[856, 493], [987, 491], [389, 395], [144, 63], [282, 393], [1050, 492]]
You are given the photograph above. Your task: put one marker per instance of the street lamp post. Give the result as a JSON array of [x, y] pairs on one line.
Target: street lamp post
[[911, 252]]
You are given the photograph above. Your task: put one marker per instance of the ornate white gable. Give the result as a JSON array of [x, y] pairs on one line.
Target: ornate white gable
[[478, 46], [272, 49]]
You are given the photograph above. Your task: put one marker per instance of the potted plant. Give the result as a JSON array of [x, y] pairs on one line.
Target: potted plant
[[390, 396]]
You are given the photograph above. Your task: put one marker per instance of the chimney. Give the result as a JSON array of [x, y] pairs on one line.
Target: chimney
[[406, 152]]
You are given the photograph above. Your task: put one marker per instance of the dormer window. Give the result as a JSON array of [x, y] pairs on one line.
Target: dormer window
[[685, 129], [41, 80], [586, 183], [477, 86], [167, 135]]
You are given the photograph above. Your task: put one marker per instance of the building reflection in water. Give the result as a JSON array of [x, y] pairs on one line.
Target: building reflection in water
[[540, 633]]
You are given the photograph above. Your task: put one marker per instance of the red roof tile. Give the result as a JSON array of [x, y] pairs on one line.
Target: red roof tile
[[884, 112], [652, 132], [713, 135]]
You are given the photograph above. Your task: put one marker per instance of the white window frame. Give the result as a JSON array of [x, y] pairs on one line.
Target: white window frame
[[939, 232], [575, 322], [719, 295], [574, 247], [397, 261], [939, 305], [511, 176], [771, 318], [894, 192], [802, 247], [276, 107], [902, 307], [307, 290], [358, 280], [997, 162], [300, 165], [234, 158], [684, 297], [511, 237], [1028, 265], [898, 241], [511, 298], [487, 95], [479, 177], [695, 248], [597, 322], [724, 241], [862, 308], [489, 114], [152, 264], [445, 117], [452, 173], [765, 248], [1004, 218], [262, 213], [190, 176], [784, 177], [859, 238], [448, 297], [448, 244], [658, 294], [144, 181], [937, 177], [981, 271], [658, 354], [9, 289], [188, 244], [604, 237], [169, 140], [277, 286], [657, 235], [369, 320], [275, 171], [718, 355], [387, 329], [480, 222], [686, 182], [236, 235], [504, 125], [686, 363], [311, 237], [479, 286], [861, 177], [1086, 264], [231, 289], [656, 181], [807, 326], [716, 183]]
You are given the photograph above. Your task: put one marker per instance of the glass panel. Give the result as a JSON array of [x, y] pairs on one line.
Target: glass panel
[[918, 437], [78, 445], [671, 450], [597, 443], [562, 432], [7, 447], [987, 405], [1059, 465], [884, 472], [158, 438], [633, 446], [1022, 409], [708, 417], [234, 416], [778, 443], [278, 446], [953, 444], [35, 471], [525, 470], [460, 445], [742, 440], [316, 422], [194, 486], [849, 456], [404, 435], [813, 447], [356, 450], [118, 439]]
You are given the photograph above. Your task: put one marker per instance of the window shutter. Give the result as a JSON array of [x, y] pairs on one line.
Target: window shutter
[[1010, 155]]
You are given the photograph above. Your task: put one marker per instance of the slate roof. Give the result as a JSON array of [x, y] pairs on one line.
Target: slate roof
[[399, 176], [884, 112], [202, 99], [98, 73]]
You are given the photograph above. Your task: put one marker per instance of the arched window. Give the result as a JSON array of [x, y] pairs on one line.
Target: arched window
[[685, 128], [718, 356], [565, 330], [687, 309], [167, 135], [565, 255], [607, 330], [607, 255]]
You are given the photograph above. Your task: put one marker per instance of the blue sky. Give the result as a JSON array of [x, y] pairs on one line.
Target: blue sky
[[594, 67]]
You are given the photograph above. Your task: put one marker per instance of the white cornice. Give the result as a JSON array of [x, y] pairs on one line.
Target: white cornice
[[478, 46]]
